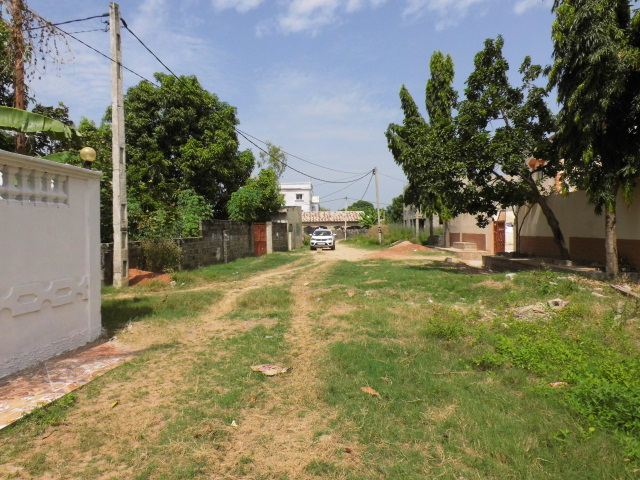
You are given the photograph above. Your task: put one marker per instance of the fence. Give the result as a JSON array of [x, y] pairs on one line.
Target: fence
[[50, 260], [221, 241]]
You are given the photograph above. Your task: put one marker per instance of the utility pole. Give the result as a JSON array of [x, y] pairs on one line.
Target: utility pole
[[120, 218], [375, 172], [17, 34], [345, 218]]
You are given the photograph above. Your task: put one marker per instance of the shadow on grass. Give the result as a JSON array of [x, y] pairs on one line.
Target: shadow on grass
[[447, 267], [117, 313]]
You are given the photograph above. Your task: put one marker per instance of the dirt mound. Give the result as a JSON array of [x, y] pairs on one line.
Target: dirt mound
[[406, 246], [141, 277], [400, 250]]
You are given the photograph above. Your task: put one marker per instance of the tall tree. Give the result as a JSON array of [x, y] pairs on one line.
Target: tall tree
[[500, 127], [258, 200], [395, 210], [31, 39], [181, 136], [360, 205], [596, 71], [41, 144], [426, 151], [275, 158]]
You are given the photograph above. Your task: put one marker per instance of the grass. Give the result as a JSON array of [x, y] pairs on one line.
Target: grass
[[238, 269], [506, 417], [390, 234], [461, 361]]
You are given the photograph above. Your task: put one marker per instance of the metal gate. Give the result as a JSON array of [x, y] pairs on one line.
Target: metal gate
[[259, 239], [498, 236]]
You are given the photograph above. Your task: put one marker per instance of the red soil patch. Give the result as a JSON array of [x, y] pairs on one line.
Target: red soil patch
[[401, 249], [140, 277]]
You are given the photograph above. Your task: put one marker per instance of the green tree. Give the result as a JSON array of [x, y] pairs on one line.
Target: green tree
[[99, 138], [368, 218], [394, 211], [179, 136], [41, 144], [500, 127], [258, 200], [596, 71], [275, 158], [426, 150], [360, 206]]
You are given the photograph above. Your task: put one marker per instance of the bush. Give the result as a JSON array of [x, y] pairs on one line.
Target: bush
[[161, 255]]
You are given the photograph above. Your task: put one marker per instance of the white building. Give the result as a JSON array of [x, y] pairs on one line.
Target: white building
[[300, 195]]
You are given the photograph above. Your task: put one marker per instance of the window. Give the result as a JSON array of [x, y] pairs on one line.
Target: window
[[298, 196]]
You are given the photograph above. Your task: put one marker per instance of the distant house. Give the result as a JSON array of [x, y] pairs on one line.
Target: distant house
[[332, 220], [300, 195]]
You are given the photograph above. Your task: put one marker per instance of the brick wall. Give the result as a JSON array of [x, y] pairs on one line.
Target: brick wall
[[222, 241]]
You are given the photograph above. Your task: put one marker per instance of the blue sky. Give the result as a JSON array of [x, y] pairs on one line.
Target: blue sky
[[319, 78]]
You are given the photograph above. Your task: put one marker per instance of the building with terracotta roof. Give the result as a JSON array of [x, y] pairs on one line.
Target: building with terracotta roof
[[333, 220]]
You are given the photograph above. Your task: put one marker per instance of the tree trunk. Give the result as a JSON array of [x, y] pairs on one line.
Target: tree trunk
[[18, 63], [611, 236], [554, 225], [431, 226], [552, 221]]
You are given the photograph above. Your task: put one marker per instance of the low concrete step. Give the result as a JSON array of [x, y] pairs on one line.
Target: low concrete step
[[465, 245]]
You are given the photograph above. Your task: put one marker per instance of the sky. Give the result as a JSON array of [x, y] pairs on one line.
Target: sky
[[318, 78]]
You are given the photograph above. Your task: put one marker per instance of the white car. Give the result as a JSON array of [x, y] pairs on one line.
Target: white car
[[323, 238]]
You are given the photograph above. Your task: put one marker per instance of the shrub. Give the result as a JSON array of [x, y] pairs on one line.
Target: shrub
[[161, 255]]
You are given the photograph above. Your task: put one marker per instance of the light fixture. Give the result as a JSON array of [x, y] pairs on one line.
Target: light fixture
[[88, 154]]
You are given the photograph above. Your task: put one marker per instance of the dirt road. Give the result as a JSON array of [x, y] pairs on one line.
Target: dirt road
[[130, 410]]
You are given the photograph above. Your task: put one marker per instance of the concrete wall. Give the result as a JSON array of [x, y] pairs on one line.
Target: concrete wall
[[50, 259], [583, 230], [463, 228], [291, 191], [222, 241]]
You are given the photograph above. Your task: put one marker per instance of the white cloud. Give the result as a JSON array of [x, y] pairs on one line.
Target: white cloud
[[242, 6], [524, 5], [311, 15], [449, 11]]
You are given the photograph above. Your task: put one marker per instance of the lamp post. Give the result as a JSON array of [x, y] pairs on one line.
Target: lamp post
[[88, 154]]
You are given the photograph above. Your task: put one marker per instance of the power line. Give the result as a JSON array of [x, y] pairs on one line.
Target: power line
[[67, 22], [368, 184], [338, 191], [104, 55], [237, 130], [392, 178], [302, 159]]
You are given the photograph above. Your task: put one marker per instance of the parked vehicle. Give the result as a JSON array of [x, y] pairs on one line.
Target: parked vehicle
[[323, 238]]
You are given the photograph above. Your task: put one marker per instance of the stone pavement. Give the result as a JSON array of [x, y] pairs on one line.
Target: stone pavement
[[24, 391]]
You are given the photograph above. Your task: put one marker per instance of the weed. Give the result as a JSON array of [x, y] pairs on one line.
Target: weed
[[55, 413]]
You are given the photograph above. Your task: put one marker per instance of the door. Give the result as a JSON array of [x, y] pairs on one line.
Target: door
[[498, 236], [259, 239]]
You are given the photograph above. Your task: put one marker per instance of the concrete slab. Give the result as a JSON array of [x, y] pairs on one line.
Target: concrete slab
[[24, 391]]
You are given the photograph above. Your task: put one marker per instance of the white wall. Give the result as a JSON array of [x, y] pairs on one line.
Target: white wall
[[49, 259], [291, 190]]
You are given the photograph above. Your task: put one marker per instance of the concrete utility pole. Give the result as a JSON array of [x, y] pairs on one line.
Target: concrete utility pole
[[345, 218], [375, 172], [120, 218]]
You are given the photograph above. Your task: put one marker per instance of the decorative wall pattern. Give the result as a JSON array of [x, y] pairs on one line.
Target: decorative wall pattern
[[33, 186], [29, 297]]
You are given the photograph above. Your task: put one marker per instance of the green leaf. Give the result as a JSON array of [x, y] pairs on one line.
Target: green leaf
[[28, 122]]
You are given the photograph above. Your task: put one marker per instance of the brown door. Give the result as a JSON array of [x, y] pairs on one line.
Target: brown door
[[498, 236], [259, 239]]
